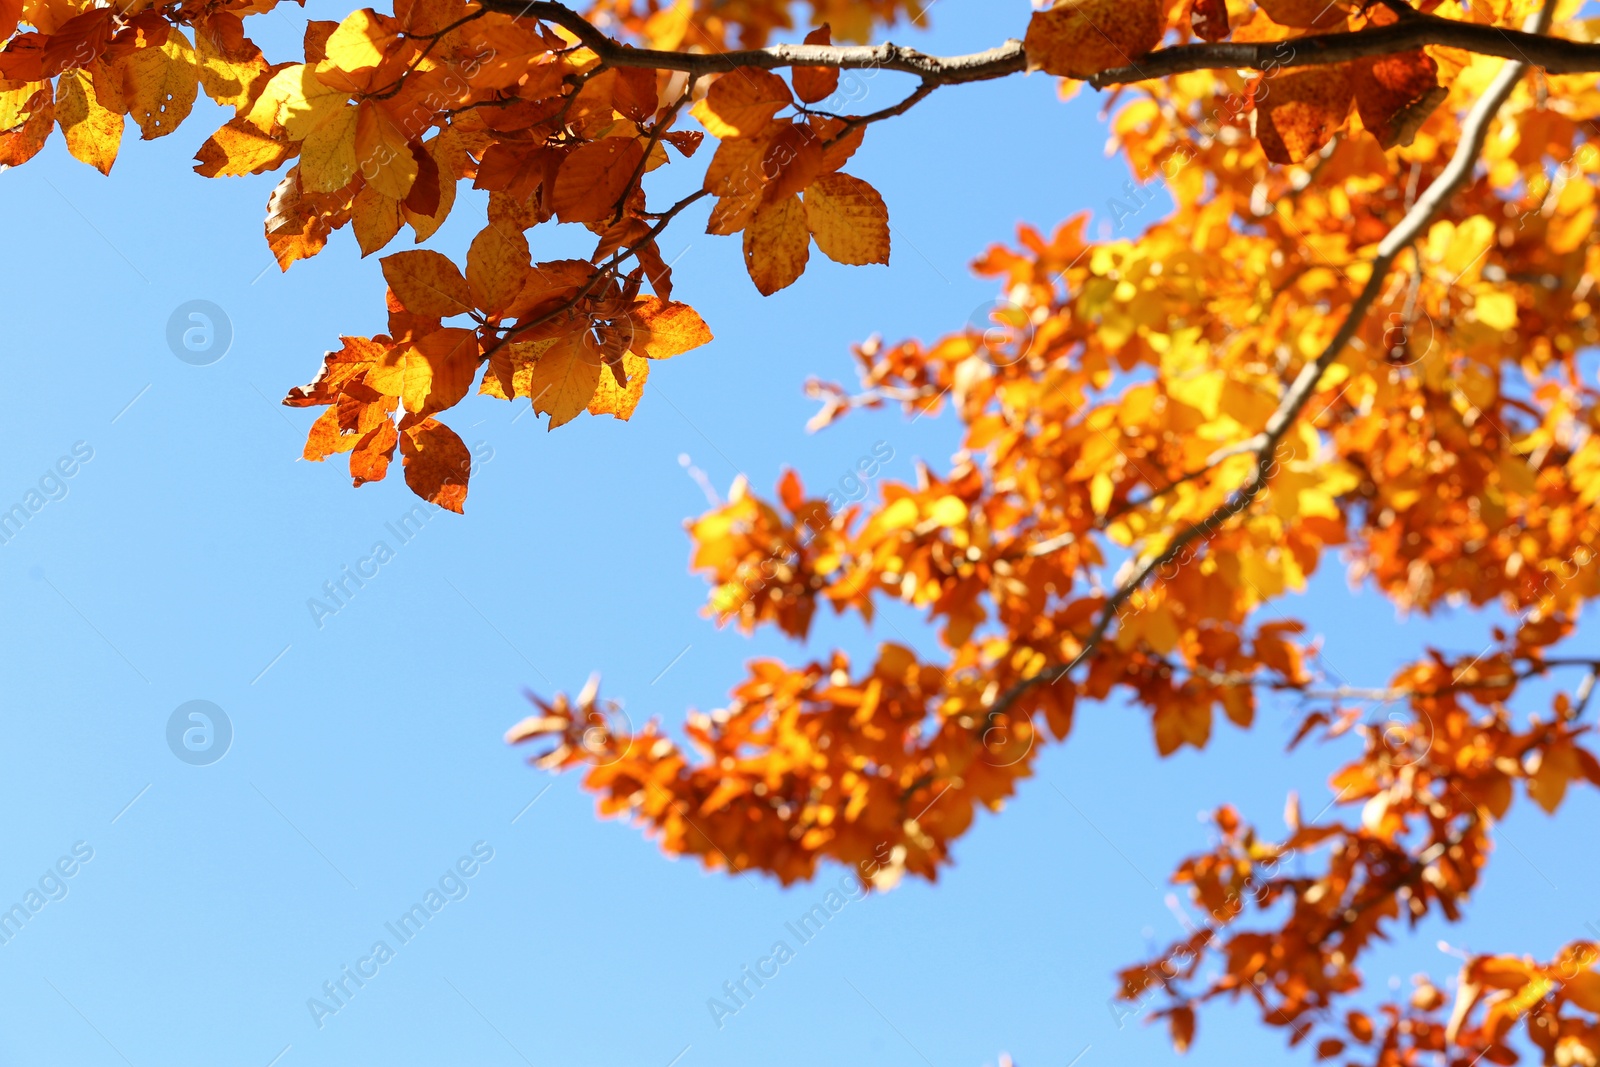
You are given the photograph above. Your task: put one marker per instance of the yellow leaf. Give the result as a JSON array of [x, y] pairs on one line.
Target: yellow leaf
[[359, 41], [617, 400], [1201, 391], [849, 220], [160, 83], [948, 511], [1460, 250], [328, 153], [296, 100], [900, 515], [16, 103], [384, 152], [1498, 311], [93, 132], [229, 64], [1100, 490]]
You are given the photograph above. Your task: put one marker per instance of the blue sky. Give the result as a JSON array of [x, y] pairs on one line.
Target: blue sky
[[366, 766]]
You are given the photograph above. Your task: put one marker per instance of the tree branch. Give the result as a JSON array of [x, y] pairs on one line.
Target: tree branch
[[1474, 129], [1553, 54], [944, 70]]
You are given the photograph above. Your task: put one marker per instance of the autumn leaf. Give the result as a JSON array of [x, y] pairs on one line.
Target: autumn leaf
[[375, 218], [430, 373], [793, 159], [1306, 14], [374, 451], [497, 267], [848, 219], [240, 148], [160, 83], [383, 152], [593, 179], [437, 463], [359, 41], [1081, 38], [564, 379], [1299, 112], [30, 126], [427, 283], [92, 132], [1209, 19], [296, 226], [1181, 1022], [662, 329], [427, 215], [1396, 94], [742, 104], [738, 178], [328, 151], [230, 65], [777, 244], [618, 400], [815, 84], [1547, 786]]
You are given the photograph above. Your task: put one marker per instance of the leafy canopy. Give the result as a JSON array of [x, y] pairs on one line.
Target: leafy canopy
[[1361, 328]]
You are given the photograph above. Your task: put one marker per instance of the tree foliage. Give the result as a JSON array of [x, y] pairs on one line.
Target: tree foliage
[[1360, 329]]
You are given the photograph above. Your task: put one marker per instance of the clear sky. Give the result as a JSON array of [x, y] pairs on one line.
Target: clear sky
[[366, 765]]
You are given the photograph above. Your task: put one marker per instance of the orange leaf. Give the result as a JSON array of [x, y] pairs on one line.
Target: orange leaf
[[662, 329], [812, 84], [450, 357], [1305, 14], [428, 284], [375, 218], [849, 220], [595, 177], [792, 161], [1182, 1024], [369, 462], [326, 439], [239, 148], [742, 103], [383, 152], [1299, 112], [497, 265], [735, 176], [1396, 94], [564, 379], [437, 463], [777, 244], [1558, 765], [1081, 38]]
